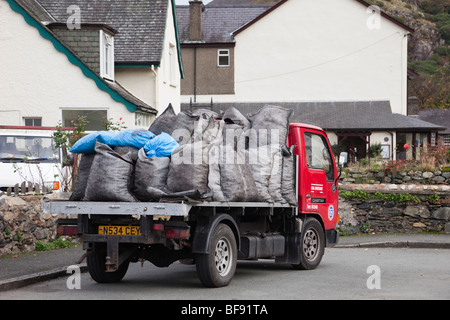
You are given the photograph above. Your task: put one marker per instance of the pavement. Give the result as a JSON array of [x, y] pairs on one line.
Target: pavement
[[33, 267]]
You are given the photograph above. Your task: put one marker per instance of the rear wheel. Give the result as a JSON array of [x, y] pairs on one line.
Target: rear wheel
[[217, 268], [312, 245], [96, 263]]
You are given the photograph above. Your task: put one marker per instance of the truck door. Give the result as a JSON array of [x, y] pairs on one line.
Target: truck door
[[321, 191]]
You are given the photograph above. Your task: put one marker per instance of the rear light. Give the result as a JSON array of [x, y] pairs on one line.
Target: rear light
[[177, 233], [55, 185], [158, 227], [67, 230]]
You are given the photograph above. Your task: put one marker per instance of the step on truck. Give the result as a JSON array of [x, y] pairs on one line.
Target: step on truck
[[214, 235]]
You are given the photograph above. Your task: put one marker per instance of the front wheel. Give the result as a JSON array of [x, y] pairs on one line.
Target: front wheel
[[217, 268], [312, 245]]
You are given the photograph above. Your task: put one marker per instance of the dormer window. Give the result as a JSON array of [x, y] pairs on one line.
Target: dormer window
[[106, 56]]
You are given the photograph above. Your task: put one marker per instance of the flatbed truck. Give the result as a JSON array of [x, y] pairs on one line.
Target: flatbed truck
[[214, 235]]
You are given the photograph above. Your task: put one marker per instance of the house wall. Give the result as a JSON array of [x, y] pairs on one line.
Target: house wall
[[376, 137], [139, 81], [210, 78], [39, 81], [168, 74], [319, 50], [157, 85]]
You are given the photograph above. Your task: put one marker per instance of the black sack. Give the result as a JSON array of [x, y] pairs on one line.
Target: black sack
[[110, 176], [149, 172]]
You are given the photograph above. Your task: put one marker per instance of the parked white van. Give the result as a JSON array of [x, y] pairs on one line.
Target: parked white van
[[27, 154]]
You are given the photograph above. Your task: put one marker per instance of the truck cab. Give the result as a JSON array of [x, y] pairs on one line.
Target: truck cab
[[317, 173]]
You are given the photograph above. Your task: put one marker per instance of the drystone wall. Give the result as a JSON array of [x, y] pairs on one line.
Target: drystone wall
[[22, 224], [352, 175], [376, 215]]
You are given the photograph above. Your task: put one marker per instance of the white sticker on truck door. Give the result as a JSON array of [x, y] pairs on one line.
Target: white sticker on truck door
[[330, 212]]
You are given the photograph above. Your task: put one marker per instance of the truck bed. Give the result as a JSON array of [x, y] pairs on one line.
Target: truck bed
[[145, 208]]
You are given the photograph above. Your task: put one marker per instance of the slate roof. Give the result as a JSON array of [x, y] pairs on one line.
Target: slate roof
[[218, 22], [440, 117], [239, 3], [340, 116], [42, 17], [140, 24]]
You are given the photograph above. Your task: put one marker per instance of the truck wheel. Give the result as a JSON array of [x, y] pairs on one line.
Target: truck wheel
[[312, 245], [97, 268], [217, 268]]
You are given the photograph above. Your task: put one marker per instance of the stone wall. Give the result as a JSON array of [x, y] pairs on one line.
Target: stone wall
[[22, 223], [376, 216], [353, 175]]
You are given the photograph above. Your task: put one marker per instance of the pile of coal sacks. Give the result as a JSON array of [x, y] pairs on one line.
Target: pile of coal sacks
[[199, 155]]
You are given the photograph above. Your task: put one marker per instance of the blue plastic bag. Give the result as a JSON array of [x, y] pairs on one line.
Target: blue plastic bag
[[132, 138], [87, 143], [161, 146]]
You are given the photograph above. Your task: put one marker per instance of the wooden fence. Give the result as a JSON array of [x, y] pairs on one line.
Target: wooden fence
[[25, 188]]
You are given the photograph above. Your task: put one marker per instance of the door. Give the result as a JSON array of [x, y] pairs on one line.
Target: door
[[321, 190]]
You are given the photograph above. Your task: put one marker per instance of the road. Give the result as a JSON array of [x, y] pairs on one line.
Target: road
[[391, 273]]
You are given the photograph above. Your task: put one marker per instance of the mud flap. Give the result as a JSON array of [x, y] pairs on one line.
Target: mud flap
[[291, 252]]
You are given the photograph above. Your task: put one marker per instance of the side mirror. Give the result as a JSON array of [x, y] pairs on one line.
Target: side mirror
[[343, 159]]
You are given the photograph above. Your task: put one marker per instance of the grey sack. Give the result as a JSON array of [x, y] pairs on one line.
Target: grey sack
[[149, 172], [109, 178]]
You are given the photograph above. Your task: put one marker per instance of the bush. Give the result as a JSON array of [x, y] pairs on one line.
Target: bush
[[56, 244]]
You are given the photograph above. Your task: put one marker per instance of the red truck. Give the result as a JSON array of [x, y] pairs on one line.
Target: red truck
[[215, 235]]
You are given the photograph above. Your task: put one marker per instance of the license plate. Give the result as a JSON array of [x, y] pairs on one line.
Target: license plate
[[120, 230]]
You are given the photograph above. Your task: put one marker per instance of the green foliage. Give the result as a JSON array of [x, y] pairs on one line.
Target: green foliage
[[433, 197], [56, 244], [363, 224], [356, 194], [391, 197], [435, 6], [110, 125], [426, 66], [396, 197], [375, 150]]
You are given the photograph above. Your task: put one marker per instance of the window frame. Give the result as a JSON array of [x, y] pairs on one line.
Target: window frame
[[221, 55], [88, 129], [330, 174], [106, 55], [33, 119]]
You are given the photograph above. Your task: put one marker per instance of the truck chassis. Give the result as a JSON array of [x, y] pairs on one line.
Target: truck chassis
[[212, 234]]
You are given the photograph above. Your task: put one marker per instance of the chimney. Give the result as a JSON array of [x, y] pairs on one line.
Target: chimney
[[195, 20]]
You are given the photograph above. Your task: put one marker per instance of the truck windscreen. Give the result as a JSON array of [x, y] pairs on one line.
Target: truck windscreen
[[27, 149]]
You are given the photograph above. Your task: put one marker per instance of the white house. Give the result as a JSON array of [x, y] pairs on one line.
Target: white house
[[329, 60], [61, 59]]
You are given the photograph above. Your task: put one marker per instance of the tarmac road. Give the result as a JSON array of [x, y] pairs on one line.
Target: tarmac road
[[345, 273]]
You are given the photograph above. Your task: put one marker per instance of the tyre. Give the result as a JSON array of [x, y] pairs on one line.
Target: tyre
[[217, 268], [312, 245], [97, 268]]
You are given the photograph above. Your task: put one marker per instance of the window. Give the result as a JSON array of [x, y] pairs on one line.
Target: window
[[223, 57], [23, 148], [318, 155], [33, 122], [142, 119], [96, 118], [446, 140], [106, 56]]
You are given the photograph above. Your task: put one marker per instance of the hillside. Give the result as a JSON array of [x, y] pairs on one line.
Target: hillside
[[429, 47]]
